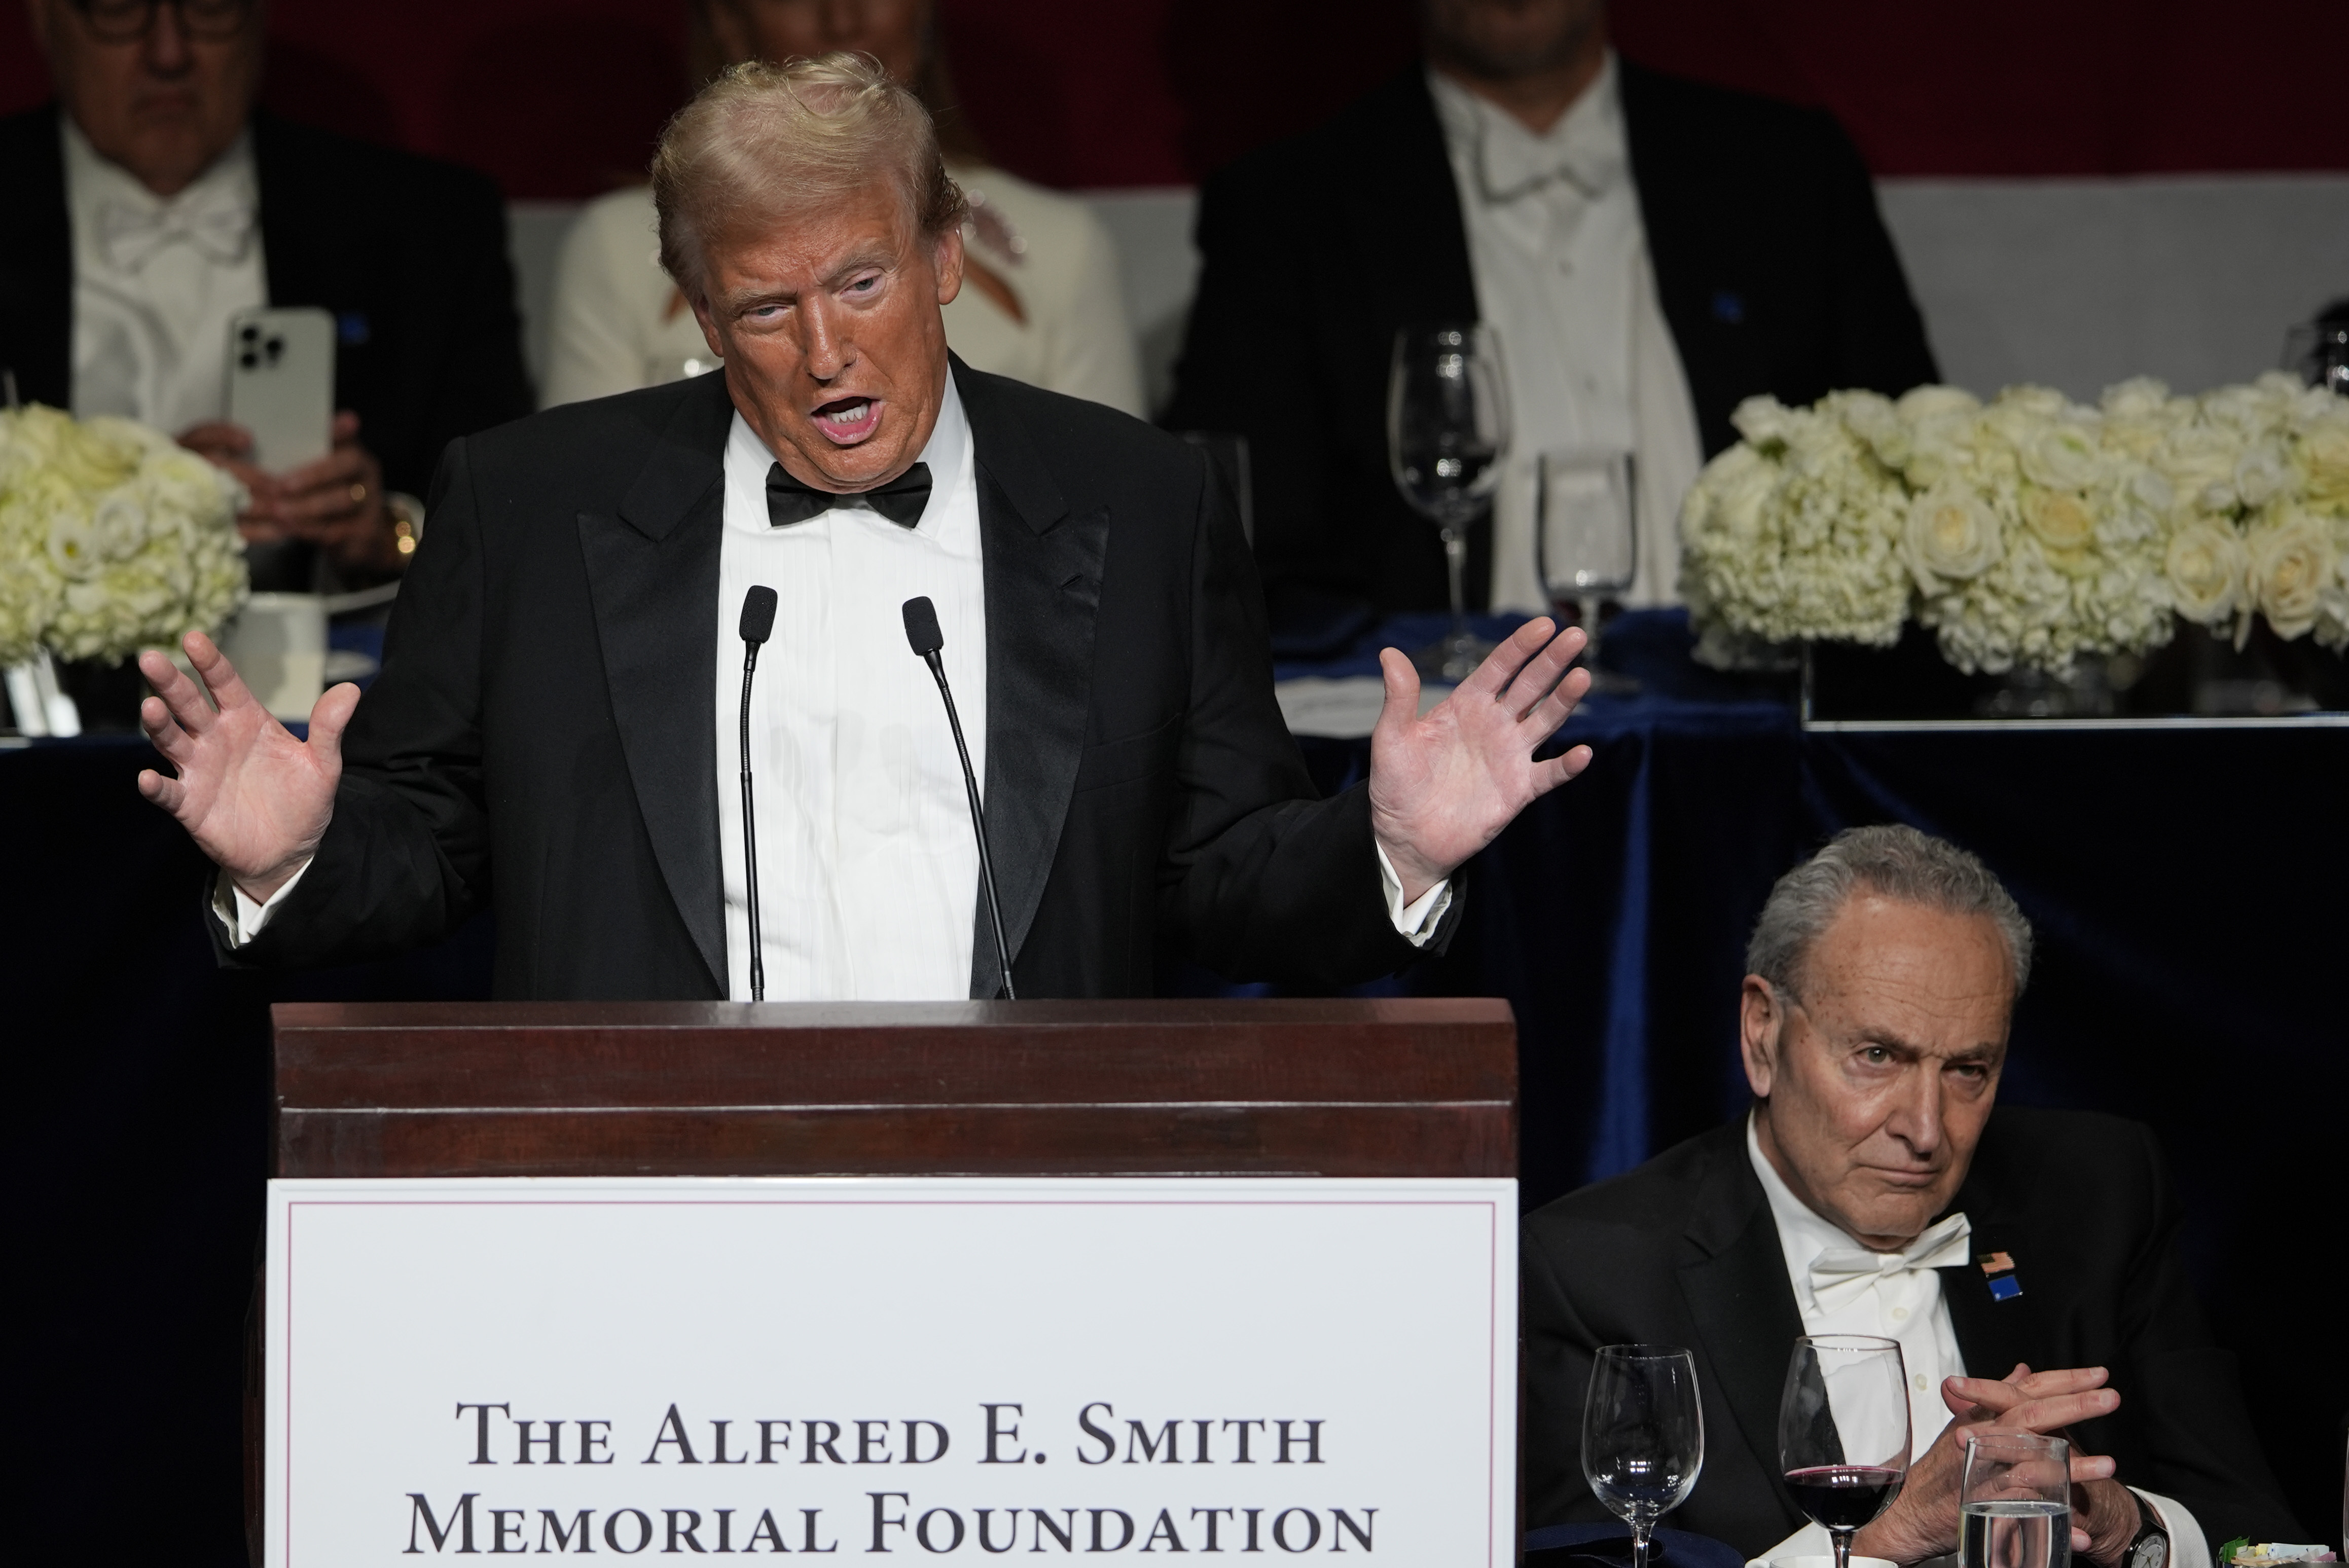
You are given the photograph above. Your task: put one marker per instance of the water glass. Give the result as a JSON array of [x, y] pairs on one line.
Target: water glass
[[1586, 541], [2014, 1509]]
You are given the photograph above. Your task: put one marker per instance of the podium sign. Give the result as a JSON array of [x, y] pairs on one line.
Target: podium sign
[[914, 1367]]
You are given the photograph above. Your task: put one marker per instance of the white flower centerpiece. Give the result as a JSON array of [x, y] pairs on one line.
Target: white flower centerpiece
[[112, 539], [2026, 531]]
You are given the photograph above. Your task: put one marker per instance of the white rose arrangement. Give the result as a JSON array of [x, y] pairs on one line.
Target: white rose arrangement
[[112, 538], [2028, 530]]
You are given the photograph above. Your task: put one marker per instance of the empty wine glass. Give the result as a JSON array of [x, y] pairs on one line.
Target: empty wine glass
[[1642, 1435], [1586, 541], [2014, 1506], [1843, 1431], [1447, 433]]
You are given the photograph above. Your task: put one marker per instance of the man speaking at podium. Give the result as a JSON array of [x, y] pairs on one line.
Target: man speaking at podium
[[558, 703]]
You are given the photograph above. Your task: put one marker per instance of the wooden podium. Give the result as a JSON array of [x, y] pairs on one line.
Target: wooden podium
[[1388, 1088], [1391, 1088]]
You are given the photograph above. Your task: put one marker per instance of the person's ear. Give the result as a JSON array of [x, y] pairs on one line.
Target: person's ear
[[948, 260], [1761, 1024]]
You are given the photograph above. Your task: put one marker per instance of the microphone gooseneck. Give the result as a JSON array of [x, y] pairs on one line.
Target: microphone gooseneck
[[922, 635], [757, 626]]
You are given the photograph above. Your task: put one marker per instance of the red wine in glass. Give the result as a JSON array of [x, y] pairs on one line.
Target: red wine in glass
[[1844, 1497], [1843, 1431]]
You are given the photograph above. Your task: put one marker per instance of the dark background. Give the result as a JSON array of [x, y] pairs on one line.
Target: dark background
[[562, 98]]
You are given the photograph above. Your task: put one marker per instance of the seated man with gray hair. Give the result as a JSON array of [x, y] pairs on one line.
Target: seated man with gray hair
[[558, 700], [2025, 1262]]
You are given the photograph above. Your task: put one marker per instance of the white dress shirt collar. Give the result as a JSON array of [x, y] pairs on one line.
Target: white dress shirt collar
[[157, 280], [1558, 252], [868, 872], [1585, 146]]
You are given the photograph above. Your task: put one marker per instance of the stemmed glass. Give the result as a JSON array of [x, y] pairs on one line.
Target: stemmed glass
[[1586, 541], [1642, 1435], [1843, 1431], [1447, 433]]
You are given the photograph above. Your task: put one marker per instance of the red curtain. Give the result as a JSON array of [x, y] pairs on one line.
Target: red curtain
[[563, 100]]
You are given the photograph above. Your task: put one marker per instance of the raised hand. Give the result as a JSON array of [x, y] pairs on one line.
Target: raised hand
[[1442, 786], [255, 798], [1923, 1520]]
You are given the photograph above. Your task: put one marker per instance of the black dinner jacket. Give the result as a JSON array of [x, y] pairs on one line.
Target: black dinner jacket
[[543, 736], [410, 253], [1683, 1250], [1772, 265]]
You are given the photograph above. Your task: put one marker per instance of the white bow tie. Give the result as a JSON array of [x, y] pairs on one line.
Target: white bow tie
[[1508, 165], [217, 223], [1840, 1275]]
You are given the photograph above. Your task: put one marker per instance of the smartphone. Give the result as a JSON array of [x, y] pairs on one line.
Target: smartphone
[[281, 383]]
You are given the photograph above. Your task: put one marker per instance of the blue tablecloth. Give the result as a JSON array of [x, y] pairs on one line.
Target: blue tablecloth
[[2188, 887]]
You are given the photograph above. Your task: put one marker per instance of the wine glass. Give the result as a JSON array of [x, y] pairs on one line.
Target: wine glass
[[1843, 1431], [2015, 1505], [1447, 433], [1642, 1435], [1586, 541]]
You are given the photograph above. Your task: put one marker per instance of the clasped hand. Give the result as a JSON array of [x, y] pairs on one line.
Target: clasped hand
[[335, 502], [1923, 1520], [1445, 784]]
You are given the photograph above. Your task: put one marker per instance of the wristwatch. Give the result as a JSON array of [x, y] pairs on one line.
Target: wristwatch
[[2151, 1547]]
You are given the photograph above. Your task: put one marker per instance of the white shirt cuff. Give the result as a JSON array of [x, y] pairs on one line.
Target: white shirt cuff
[[1417, 920], [240, 915], [2189, 1548]]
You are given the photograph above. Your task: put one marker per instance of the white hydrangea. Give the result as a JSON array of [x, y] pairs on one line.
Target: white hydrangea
[[112, 538], [2027, 530]]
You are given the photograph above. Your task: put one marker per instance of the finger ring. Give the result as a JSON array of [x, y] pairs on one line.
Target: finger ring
[[358, 494]]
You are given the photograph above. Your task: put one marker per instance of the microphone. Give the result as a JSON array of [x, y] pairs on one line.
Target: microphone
[[757, 626], [921, 632]]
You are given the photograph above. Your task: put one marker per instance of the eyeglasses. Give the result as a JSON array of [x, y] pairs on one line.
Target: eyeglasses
[[123, 21]]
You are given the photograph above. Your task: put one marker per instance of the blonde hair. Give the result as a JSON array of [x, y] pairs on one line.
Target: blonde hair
[[762, 142]]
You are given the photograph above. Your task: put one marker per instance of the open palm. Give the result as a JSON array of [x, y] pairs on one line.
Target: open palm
[[1445, 784], [255, 798]]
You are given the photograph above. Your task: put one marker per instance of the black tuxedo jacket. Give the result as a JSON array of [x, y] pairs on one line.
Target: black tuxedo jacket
[[408, 253], [1683, 1250], [542, 737], [1772, 265]]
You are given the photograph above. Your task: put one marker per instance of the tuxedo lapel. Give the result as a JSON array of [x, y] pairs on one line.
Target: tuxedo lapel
[[1744, 1307], [1043, 574], [35, 258], [1704, 282], [1993, 1334], [652, 571]]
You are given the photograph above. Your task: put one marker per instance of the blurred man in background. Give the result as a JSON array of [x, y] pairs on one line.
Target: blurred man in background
[[2025, 1261], [150, 204], [1649, 251], [1044, 305]]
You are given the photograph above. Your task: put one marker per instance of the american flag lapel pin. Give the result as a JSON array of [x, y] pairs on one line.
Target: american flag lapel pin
[[1998, 1270]]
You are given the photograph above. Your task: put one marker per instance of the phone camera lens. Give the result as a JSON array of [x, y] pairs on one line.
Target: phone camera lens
[[276, 348], [250, 333], [248, 359]]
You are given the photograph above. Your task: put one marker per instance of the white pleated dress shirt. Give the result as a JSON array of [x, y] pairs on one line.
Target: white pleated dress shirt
[[1903, 1304], [868, 869], [1559, 257], [156, 284]]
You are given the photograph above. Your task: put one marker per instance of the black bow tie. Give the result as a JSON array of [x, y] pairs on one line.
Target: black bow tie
[[900, 500]]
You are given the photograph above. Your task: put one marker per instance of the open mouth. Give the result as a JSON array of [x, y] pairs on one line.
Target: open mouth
[[848, 420]]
